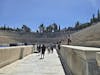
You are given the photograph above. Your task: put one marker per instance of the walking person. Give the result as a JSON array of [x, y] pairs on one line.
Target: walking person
[[43, 51], [58, 46], [68, 41], [39, 48], [51, 49], [48, 48]]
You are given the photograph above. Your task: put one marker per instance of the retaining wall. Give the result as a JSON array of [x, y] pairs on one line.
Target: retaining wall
[[79, 60], [98, 61], [11, 54]]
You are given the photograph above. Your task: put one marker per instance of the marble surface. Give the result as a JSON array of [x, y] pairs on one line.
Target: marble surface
[[33, 65]]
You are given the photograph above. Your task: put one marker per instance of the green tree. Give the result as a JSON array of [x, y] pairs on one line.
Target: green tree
[[55, 27], [98, 17], [59, 28], [41, 28], [49, 28], [77, 25], [94, 19], [26, 28], [37, 31], [70, 29], [91, 21], [4, 27], [18, 29]]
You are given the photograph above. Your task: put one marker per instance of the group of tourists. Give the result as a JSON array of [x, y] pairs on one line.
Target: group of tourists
[[42, 49], [50, 49]]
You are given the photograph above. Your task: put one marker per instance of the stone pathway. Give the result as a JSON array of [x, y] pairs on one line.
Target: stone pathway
[[33, 65]]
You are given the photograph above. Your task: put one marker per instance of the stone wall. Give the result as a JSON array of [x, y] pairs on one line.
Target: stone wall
[[79, 60], [98, 61], [11, 54]]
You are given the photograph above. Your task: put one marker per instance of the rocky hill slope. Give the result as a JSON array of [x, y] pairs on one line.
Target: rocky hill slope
[[87, 37]]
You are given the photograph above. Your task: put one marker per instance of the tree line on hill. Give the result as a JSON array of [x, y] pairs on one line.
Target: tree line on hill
[[93, 20], [24, 28], [56, 28], [78, 26], [51, 28]]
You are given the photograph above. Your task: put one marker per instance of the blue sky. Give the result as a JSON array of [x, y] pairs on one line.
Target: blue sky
[[15, 13]]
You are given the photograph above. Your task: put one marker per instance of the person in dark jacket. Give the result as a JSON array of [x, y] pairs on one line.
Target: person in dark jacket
[[43, 51], [58, 46], [69, 41], [51, 49], [38, 48]]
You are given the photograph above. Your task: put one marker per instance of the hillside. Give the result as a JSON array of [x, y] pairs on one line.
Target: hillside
[[87, 37]]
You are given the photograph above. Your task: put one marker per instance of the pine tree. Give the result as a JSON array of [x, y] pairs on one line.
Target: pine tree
[[26, 28], [77, 25], [91, 21], [55, 27], [4, 27], [98, 17], [93, 17], [59, 27], [42, 28]]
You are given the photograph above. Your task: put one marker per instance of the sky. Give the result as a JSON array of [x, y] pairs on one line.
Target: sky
[[15, 13]]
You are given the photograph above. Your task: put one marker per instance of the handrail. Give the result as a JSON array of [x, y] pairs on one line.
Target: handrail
[[82, 48]]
